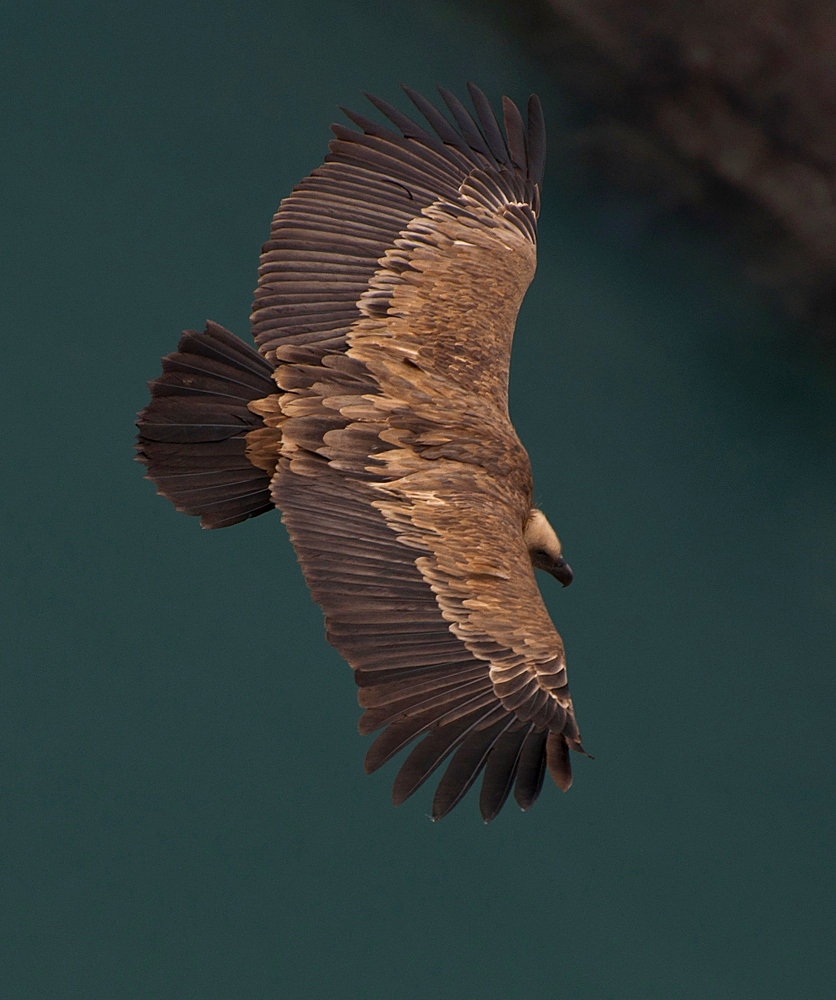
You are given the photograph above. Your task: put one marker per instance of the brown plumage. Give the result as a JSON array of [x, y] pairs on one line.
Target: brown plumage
[[375, 417]]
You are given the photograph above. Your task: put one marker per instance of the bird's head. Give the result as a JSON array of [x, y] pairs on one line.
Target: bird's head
[[544, 547]]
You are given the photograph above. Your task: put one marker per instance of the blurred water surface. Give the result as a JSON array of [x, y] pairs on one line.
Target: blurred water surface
[[184, 812]]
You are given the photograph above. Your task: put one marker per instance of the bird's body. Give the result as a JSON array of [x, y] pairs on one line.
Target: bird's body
[[375, 416]]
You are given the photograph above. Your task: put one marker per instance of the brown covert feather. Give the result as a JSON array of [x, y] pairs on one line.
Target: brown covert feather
[[385, 311]]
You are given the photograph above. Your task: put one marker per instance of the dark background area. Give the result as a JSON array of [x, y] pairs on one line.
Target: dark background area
[[183, 810], [725, 110]]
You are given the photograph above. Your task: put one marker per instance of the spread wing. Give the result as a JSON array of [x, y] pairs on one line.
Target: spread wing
[[387, 299]]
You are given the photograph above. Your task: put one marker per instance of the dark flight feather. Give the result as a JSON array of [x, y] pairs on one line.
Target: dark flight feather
[[515, 133], [531, 769], [468, 127], [536, 140], [443, 129], [465, 767], [490, 126], [501, 770], [431, 752]]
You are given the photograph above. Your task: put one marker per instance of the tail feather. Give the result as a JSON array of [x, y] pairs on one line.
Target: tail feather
[[221, 345], [193, 433]]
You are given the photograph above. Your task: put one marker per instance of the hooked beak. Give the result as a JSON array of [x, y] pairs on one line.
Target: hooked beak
[[562, 571]]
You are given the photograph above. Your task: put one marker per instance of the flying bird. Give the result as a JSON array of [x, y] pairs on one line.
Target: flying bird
[[374, 415]]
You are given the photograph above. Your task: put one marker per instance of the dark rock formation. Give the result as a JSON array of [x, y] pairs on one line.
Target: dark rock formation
[[722, 106]]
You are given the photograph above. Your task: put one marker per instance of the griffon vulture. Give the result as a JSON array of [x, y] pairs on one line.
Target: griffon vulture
[[374, 415]]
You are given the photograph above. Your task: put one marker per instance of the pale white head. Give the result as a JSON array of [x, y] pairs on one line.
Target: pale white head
[[544, 547]]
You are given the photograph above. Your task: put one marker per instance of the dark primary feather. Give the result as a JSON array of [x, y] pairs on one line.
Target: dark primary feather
[[501, 770], [490, 126], [515, 133], [466, 766], [468, 127], [531, 769], [434, 749], [536, 140], [409, 128], [438, 122]]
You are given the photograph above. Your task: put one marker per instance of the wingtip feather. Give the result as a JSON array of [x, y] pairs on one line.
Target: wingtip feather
[[536, 141], [557, 758]]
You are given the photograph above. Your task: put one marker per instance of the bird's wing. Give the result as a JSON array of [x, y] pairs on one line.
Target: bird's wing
[[402, 483], [328, 236], [429, 594]]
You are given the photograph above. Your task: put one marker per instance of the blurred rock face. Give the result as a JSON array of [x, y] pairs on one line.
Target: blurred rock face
[[729, 105]]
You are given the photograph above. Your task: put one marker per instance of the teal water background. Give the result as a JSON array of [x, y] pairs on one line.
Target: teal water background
[[183, 811]]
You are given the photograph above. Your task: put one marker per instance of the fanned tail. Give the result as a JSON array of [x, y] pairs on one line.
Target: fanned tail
[[193, 433]]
